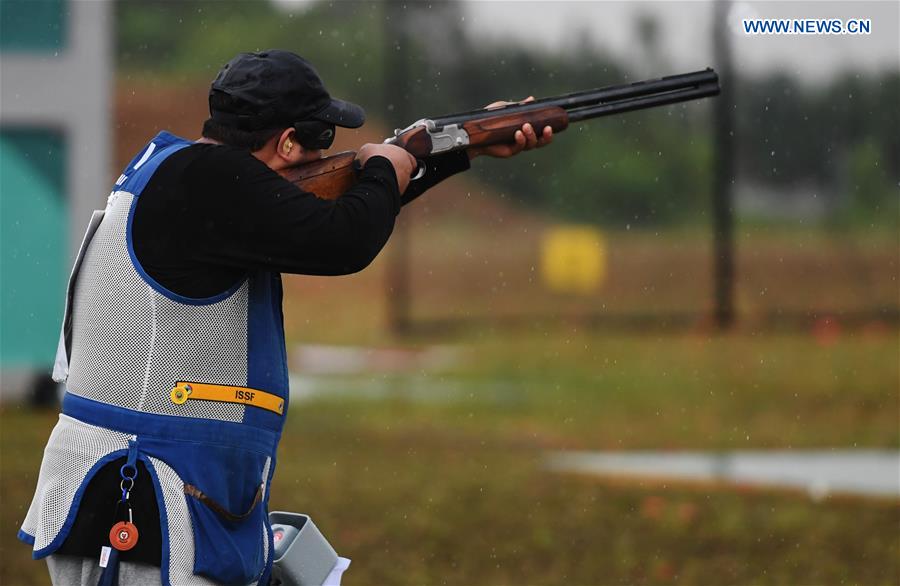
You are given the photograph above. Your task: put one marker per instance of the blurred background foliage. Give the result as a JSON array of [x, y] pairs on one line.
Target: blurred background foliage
[[837, 141]]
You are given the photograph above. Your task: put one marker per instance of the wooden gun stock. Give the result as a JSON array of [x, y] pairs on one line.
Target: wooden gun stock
[[328, 177]]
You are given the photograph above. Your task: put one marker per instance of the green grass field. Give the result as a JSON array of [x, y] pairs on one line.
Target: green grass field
[[438, 480]]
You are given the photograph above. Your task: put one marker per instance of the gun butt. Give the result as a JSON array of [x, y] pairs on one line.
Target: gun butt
[[326, 178]]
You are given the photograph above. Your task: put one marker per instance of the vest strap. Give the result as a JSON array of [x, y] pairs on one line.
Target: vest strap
[[227, 394]]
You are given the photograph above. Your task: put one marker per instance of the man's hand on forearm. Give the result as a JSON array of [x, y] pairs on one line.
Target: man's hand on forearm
[[525, 139]]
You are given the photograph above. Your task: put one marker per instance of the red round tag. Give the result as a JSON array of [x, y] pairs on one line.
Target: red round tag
[[123, 535]]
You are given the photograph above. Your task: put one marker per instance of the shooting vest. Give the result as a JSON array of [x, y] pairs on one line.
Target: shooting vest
[[196, 389]]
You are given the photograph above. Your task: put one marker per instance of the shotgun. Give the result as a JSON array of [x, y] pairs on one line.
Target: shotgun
[[331, 176]]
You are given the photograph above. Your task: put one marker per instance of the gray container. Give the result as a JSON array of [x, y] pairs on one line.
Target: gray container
[[303, 557]]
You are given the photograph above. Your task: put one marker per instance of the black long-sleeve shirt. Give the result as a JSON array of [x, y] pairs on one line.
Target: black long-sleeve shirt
[[212, 212], [209, 214]]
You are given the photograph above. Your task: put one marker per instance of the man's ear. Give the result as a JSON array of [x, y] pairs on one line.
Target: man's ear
[[287, 147]]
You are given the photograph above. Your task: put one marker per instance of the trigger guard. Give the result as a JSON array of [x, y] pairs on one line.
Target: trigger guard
[[421, 167]]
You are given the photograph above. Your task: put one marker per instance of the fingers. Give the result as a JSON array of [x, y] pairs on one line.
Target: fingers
[[411, 159], [521, 141], [546, 137], [531, 138], [499, 104], [404, 163], [521, 138], [365, 151], [504, 103], [526, 139]]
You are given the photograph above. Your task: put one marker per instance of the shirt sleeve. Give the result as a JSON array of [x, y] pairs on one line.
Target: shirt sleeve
[[437, 168], [251, 217]]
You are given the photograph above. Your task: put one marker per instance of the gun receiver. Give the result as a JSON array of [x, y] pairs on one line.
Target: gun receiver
[[329, 177]]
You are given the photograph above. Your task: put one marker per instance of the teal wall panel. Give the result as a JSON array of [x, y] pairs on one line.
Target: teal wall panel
[[32, 25], [33, 241]]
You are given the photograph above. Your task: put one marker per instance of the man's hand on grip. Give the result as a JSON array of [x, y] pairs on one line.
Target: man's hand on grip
[[403, 162]]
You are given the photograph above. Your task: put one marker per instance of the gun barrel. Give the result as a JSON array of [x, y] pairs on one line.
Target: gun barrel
[[641, 102], [609, 100]]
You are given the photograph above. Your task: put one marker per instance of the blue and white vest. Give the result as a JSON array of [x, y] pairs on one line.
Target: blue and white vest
[[127, 341]]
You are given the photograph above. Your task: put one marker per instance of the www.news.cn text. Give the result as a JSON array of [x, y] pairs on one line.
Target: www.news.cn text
[[807, 26]]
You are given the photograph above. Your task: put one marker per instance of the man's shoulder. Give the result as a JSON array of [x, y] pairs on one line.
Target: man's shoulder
[[205, 163], [216, 152], [216, 158]]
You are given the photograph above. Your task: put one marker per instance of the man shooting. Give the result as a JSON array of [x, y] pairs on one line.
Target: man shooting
[[173, 353]]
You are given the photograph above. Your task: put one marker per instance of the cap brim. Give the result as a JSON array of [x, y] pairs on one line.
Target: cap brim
[[341, 113]]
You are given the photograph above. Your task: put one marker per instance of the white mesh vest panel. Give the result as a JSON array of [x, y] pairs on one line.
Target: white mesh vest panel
[[131, 343], [74, 447]]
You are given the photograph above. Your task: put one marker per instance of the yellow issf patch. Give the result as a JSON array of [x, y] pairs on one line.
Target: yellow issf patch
[[573, 259], [182, 391]]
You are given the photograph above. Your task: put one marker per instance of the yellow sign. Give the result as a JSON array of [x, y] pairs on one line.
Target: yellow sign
[[573, 259]]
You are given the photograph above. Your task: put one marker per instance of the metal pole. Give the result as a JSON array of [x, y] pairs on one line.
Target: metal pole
[[396, 94], [723, 172]]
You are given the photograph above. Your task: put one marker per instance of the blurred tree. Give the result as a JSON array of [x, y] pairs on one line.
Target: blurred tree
[[841, 138], [870, 189], [197, 37]]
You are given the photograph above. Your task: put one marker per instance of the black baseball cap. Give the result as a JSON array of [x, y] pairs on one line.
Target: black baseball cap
[[276, 87]]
